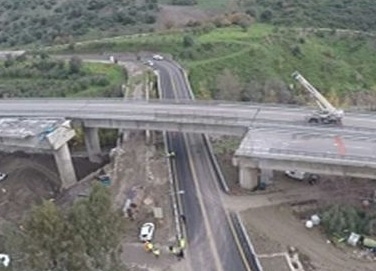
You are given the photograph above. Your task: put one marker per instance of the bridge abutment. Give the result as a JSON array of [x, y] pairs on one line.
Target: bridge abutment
[[92, 144]]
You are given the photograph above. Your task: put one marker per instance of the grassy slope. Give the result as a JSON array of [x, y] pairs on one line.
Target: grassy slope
[[332, 62], [43, 86], [113, 73]]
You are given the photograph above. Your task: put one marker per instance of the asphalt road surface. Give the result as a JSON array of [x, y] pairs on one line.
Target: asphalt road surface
[[241, 114], [212, 242]]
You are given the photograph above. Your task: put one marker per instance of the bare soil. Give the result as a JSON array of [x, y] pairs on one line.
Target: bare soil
[[139, 174], [274, 263], [31, 178], [178, 16], [275, 217], [287, 205], [274, 229]]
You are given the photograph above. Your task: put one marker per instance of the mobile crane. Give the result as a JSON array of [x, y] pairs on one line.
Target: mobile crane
[[327, 113]]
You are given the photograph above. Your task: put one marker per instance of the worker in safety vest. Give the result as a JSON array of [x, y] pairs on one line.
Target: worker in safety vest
[[148, 246], [182, 243]]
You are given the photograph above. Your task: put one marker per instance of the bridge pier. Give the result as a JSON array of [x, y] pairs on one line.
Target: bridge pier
[[65, 167], [92, 144], [38, 135], [248, 177]]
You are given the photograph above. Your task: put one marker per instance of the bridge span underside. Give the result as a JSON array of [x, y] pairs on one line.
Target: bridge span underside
[[225, 127], [322, 153]]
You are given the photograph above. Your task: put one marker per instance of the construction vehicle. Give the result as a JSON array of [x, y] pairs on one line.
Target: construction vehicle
[[327, 113]]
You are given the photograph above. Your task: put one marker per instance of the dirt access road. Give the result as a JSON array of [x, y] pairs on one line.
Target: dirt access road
[[275, 222]]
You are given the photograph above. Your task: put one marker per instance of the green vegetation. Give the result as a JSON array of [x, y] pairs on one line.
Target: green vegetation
[[40, 76], [346, 14], [55, 22], [340, 220], [204, 4], [86, 236], [256, 64]]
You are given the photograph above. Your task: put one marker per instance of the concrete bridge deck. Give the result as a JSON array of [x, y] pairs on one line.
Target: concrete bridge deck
[[325, 153], [171, 115]]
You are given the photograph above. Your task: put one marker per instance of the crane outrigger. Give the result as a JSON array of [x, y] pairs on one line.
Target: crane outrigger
[[327, 113]]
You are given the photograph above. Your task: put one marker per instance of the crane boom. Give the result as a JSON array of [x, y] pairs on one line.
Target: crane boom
[[328, 113]]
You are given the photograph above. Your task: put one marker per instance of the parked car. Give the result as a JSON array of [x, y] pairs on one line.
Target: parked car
[[147, 232], [3, 176], [157, 57], [302, 176], [4, 260]]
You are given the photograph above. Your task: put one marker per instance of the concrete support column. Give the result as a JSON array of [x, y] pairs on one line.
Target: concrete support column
[[248, 177], [92, 143], [65, 167]]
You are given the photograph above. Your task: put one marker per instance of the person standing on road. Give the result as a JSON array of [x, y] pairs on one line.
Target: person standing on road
[[182, 243], [156, 252], [182, 217], [180, 254]]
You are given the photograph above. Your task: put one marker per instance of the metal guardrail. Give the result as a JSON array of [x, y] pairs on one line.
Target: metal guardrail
[[173, 182], [213, 158], [245, 242]]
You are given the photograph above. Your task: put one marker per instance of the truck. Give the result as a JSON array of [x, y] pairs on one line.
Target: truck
[[327, 113]]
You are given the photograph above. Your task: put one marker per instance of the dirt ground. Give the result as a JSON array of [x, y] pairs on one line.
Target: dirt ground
[[273, 229], [279, 224], [31, 178], [275, 217], [139, 173], [177, 16]]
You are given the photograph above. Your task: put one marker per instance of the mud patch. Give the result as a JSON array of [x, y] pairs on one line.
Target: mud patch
[[32, 178]]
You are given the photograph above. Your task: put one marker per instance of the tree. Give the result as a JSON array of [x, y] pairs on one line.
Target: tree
[[75, 64], [188, 41], [342, 218], [266, 16], [228, 86], [84, 237], [184, 2], [9, 61]]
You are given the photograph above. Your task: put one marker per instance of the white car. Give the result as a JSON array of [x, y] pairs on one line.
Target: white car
[[147, 232], [157, 57], [297, 175], [3, 176], [302, 176], [4, 260], [150, 63]]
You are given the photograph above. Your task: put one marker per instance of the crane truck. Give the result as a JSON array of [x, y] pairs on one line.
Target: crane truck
[[327, 113]]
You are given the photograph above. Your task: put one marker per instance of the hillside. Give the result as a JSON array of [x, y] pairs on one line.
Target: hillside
[[347, 14], [40, 76], [61, 21], [256, 64]]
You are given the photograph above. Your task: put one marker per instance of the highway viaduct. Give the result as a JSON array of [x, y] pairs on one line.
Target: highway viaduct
[[275, 137]]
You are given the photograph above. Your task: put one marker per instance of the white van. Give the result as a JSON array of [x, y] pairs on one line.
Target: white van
[[302, 176]]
